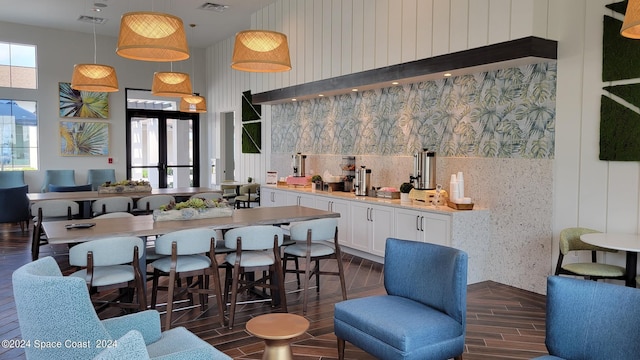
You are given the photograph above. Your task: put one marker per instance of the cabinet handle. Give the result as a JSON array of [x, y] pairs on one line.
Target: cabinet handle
[[422, 223], [368, 219], [417, 224], [371, 214]]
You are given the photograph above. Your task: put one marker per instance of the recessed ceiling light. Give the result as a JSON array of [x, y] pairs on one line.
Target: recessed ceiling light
[[354, 89], [447, 74], [321, 95], [294, 99], [100, 5], [395, 83]]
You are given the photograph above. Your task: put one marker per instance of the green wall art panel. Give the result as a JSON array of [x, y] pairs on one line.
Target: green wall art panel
[[251, 138], [619, 124], [508, 113]]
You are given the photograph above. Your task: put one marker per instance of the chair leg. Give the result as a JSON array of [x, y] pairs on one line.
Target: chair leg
[[172, 283], [341, 272], [458, 357], [154, 288], [305, 289], [234, 294], [340, 349]]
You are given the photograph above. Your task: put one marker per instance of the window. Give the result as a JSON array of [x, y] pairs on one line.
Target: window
[[18, 66], [18, 135]]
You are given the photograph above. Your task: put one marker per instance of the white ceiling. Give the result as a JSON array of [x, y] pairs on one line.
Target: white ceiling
[[211, 26]]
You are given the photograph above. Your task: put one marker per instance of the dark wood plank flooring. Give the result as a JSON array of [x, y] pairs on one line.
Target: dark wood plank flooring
[[502, 322]]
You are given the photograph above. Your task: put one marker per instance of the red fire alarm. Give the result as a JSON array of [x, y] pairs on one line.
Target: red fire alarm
[[110, 160]]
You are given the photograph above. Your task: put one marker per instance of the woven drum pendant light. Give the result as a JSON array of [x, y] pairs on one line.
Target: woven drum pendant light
[[94, 77], [152, 36], [172, 84], [193, 104], [261, 51], [631, 25]]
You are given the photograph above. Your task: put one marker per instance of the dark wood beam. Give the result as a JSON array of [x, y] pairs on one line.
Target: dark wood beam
[[517, 52]]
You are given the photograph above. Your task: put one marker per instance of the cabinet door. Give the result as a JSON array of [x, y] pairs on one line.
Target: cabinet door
[[267, 197], [360, 225], [381, 222], [307, 200], [437, 229], [342, 207], [408, 223]]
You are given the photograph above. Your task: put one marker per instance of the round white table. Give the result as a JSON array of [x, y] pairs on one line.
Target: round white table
[[624, 242]]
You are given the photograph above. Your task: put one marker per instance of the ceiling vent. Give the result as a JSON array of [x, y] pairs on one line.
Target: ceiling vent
[[92, 19], [214, 7]]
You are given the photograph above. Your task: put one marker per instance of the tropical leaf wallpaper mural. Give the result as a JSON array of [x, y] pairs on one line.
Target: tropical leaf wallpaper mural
[[83, 104], [84, 138], [508, 113]]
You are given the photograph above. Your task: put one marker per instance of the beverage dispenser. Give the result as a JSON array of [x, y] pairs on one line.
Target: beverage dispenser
[[362, 181], [424, 170], [298, 164]]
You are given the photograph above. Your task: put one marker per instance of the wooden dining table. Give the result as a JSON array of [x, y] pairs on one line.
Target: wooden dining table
[[95, 195], [144, 225]]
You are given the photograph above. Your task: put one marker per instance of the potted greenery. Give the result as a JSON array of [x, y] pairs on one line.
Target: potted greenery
[[249, 179], [405, 188], [316, 180]]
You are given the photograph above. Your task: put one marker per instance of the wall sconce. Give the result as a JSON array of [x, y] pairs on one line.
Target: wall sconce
[[152, 36], [261, 51], [171, 84]]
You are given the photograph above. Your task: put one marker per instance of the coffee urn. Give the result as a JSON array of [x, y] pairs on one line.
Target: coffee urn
[[362, 181], [424, 170], [298, 164]]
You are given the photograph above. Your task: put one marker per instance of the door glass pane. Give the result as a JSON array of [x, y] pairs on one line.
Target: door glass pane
[[144, 149], [179, 153]]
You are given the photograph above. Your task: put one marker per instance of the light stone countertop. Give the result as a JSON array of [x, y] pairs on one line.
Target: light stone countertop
[[415, 204]]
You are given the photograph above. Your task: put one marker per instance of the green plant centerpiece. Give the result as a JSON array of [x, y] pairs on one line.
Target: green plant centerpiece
[[316, 179], [406, 188], [125, 186], [194, 208]]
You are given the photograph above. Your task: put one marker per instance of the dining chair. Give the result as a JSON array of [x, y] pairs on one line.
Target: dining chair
[[591, 320], [110, 263], [114, 215], [312, 244], [97, 177], [147, 204], [58, 309], [58, 177], [14, 206], [11, 179], [186, 254], [594, 270], [423, 314], [207, 196], [247, 195], [255, 249], [68, 188], [49, 210], [112, 204], [229, 191]]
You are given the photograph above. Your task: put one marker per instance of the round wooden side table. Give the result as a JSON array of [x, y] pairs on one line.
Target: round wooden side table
[[277, 329]]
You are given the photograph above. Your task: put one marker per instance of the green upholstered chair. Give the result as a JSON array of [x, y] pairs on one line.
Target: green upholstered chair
[[58, 308], [570, 242]]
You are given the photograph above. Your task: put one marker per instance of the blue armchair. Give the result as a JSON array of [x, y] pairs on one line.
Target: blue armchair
[[58, 177], [423, 315], [10, 179], [14, 205], [97, 177], [57, 309], [591, 320]]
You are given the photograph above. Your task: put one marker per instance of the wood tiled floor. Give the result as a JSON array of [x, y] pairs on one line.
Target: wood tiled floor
[[502, 322]]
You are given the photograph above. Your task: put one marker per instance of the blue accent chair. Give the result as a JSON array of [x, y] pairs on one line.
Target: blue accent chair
[[591, 320], [70, 188], [10, 179], [57, 308], [423, 315], [14, 205], [97, 177], [58, 177]]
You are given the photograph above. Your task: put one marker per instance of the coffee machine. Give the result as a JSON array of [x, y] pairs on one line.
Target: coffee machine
[[299, 164], [424, 170], [362, 181]]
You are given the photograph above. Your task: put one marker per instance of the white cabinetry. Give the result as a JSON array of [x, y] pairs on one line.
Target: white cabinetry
[[339, 206], [271, 197], [300, 199], [423, 226], [371, 225]]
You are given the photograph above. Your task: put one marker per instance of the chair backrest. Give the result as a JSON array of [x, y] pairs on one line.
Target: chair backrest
[[592, 320], [321, 229], [570, 240], [259, 237], [228, 189], [189, 241], [14, 204], [113, 215], [97, 177], [55, 208], [207, 196], [58, 177], [65, 188], [112, 204], [153, 202], [10, 179], [431, 274], [249, 188], [55, 308], [108, 251]]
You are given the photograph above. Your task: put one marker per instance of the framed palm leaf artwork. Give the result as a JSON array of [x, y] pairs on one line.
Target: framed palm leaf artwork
[[82, 104], [79, 138]]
